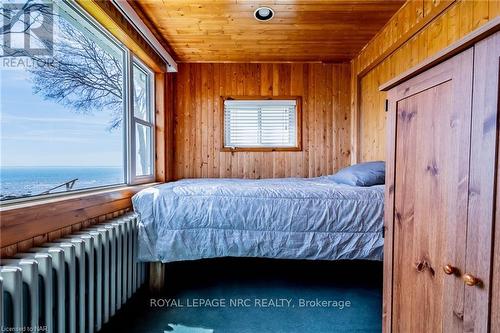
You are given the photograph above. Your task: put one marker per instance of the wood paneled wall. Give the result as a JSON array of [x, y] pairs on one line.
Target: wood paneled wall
[[164, 126], [325, 92], [417, 31]]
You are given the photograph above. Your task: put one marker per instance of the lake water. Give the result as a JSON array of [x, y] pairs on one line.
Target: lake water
[[30, 181]]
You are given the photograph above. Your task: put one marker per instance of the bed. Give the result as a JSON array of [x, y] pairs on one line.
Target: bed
[[289, 218]]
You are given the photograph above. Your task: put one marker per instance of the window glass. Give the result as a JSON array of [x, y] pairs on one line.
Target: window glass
[[260, 123], [62, 114], [141, 93], [142, 123], [143, 150]]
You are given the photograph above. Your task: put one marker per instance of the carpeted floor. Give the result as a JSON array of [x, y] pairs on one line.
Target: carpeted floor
[[240, 295]]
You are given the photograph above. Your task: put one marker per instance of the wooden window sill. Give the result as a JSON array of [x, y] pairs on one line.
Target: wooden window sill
[[27, 219]]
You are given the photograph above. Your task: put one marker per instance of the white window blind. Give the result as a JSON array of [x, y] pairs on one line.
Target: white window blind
[[260, 123]]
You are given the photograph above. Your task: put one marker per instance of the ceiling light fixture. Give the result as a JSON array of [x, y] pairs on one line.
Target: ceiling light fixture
[[263, 14]]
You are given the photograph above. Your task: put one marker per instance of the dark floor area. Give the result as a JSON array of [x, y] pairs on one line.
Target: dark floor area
[[243, 295]]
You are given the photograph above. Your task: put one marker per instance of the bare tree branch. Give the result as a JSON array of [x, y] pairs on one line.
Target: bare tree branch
[[81, 75]]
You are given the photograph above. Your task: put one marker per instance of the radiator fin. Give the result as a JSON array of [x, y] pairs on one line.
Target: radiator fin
[[74, 284]]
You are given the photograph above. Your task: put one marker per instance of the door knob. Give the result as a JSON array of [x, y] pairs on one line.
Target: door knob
[[449, 269], [470, 280]]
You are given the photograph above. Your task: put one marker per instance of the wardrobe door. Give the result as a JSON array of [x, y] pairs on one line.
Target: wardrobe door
[[431, 115], [482, 185]]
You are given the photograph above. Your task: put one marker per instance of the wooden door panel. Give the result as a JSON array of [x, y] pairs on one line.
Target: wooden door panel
[[390, 171], [433, 115], [482, 182]]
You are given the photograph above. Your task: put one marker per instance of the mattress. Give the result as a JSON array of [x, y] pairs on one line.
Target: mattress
[[289, 218]]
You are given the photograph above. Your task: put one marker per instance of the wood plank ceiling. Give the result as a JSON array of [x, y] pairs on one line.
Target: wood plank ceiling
[[226, 31]]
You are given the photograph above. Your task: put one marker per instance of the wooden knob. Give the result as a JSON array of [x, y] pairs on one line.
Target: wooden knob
[[470, 280], [449, 269]]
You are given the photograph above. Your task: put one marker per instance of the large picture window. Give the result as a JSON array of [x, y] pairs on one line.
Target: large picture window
[[77, 119], [262, 124]]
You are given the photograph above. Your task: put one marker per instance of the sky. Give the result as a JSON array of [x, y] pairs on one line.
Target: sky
[[37, 132]]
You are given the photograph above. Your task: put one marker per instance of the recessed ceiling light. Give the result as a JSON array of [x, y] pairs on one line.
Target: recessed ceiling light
[[263, 14]]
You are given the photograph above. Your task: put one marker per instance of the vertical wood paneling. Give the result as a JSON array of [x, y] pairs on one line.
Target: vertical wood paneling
[[164, 126], [169, 125], [160, 156], [445, 22], [325, 91]]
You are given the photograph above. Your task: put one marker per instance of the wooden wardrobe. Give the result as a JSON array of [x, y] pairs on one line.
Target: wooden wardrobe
[[442, 211]]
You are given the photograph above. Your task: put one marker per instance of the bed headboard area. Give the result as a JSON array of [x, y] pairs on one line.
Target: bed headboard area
[[325, 93]]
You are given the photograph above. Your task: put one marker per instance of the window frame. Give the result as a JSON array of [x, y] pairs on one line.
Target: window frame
[[298, 124], [129, 119], [132, 121]]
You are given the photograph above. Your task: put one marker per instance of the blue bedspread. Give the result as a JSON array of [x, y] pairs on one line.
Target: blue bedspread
[[291, 218]]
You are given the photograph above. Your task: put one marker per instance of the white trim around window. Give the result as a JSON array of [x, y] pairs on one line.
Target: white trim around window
[[141, 142]]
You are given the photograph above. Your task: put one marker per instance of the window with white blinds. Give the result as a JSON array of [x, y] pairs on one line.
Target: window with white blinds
[[260, 123]]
